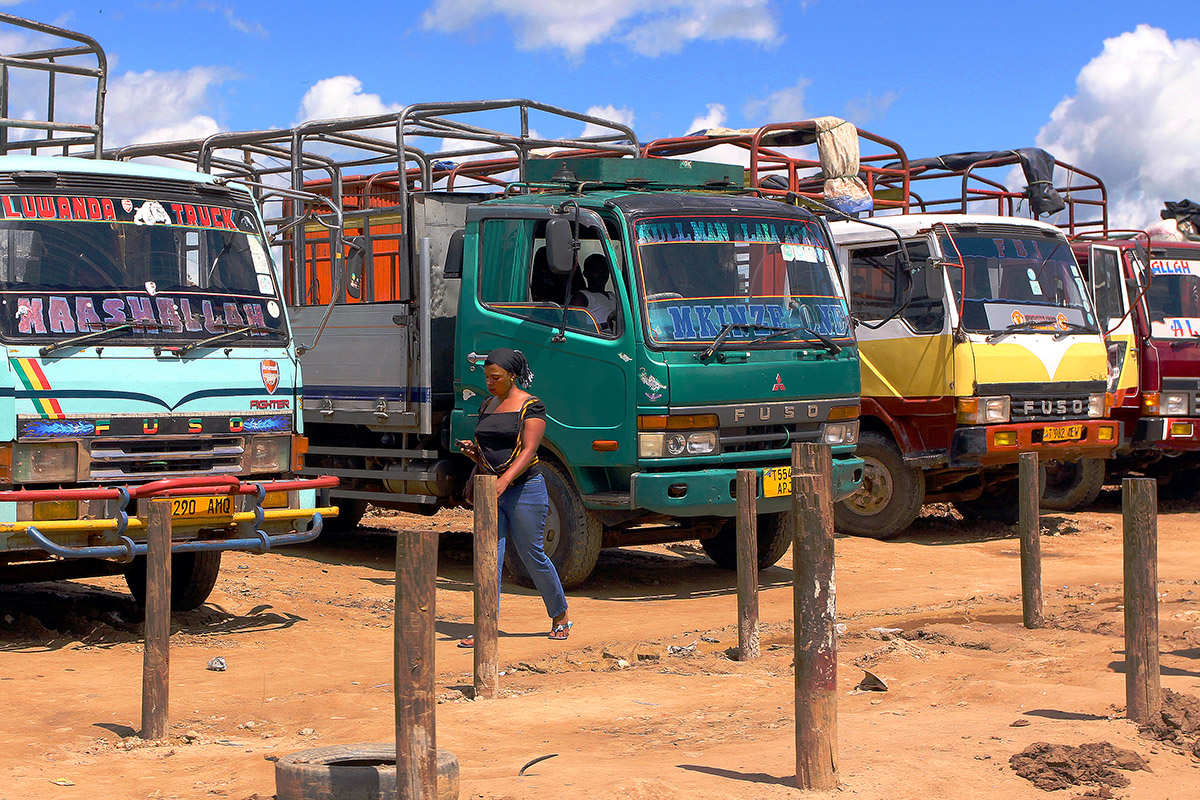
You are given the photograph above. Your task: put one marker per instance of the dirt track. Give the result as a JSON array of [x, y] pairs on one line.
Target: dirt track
[[306, 633]]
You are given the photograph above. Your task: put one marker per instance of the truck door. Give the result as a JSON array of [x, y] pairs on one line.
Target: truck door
[[581, 369], [1112, 306]]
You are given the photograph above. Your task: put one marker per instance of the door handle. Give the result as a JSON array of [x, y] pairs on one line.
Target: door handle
[[474, 358]]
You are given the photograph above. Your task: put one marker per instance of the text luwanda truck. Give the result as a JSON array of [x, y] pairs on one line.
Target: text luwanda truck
[[977, 333], [726, 341], [147, 355]]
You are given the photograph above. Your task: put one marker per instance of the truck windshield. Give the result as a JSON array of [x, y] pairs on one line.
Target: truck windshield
[[1017, 280], [149, 271], [1173, 297], [700, 274]]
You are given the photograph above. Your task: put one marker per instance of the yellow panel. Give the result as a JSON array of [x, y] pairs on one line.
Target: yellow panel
[[1012, 362], [911, 366]]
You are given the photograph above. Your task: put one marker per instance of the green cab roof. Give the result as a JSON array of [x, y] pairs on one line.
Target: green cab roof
[[99, 167], [636, 172]]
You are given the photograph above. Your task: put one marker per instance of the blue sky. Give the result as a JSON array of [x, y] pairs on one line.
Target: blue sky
[[1111, 86]]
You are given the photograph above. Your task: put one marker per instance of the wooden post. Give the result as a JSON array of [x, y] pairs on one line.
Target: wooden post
[[1028, 498], [487, 589], [1143, 686], [815, 617], [747, 563], [416, 737], [156, 654]]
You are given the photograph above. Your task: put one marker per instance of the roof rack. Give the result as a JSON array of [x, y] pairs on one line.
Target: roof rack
[[54, 63]]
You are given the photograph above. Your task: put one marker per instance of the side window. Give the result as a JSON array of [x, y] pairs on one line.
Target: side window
[[515, 278], [875, 293], [1106, 278]]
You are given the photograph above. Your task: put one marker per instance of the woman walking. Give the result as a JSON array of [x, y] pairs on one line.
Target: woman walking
[[507, 436]]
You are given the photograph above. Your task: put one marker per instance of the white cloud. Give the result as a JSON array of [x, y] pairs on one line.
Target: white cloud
[[868, 108], [1134, 121], [785, 105], [714, 117], [341, 96], [622, 115], [648, 27], [155, 106]]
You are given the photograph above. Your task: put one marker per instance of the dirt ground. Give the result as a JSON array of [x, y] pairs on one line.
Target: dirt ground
[[307, 636]]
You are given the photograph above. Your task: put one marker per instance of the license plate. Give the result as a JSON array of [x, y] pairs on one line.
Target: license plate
[[215, 506], [1062, 433], [777, 481]]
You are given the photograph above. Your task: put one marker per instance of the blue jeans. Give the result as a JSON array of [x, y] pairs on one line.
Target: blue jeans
[[522, 519]]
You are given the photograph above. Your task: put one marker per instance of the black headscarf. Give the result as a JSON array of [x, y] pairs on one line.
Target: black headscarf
[[513, 361]]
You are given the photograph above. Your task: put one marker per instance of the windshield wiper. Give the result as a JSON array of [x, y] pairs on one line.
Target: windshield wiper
[[104, 332], [833, 347], [1018, 326], [1072, 327], [729, 328], [229, 333]]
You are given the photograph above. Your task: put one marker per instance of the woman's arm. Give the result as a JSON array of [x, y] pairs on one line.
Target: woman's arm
[[531, 439]]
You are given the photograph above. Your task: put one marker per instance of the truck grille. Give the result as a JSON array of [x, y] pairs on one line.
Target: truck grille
[[1043, 408], [767, 437], [149, 458]]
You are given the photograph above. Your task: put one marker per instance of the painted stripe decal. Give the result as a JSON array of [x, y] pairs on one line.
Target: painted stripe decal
[[30, 372]]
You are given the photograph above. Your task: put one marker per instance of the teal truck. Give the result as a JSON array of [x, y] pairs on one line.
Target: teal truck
[[147, 354], [724, 340]]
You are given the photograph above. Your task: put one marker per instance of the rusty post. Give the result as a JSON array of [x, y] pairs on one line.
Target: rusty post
[[416, 737], [1143, 685], [1028, 498], [815, 617], [487, 588], [747, 563], [156, 654]]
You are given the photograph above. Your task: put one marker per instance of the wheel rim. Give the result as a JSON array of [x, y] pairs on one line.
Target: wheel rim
[[1061, 475], [877, 489], [553, 533]]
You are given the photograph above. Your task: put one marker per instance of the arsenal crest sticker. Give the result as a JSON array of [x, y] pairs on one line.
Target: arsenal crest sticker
[[270, 375]]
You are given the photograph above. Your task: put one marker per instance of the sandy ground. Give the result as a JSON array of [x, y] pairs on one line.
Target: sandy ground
[[307, 635]]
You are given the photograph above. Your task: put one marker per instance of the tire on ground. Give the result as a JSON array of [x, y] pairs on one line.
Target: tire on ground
[[891, 496], [774, 538], [573, 532], [353, 772], [350, 513], [1072, 484], [193, 576]]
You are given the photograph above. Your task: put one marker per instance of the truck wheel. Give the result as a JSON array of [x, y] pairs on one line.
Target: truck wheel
[[1072, 484], [774, 538], [891, 496], [193, 576], [573, 533], [359, 771], [350, 513]]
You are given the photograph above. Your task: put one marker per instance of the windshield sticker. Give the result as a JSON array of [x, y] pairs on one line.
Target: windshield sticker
[[104, 209], [1005, 315], [258, 255], [1174, 266], [700, 231], [264, 284], [703, 319], [272, 308], [53, 314], [1181, 327]]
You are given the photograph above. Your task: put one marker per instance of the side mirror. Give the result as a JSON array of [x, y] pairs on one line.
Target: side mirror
[[454, 255], [935, 283], [560, 246], [355, 261]]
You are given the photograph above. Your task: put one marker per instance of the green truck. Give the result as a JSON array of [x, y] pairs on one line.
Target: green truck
[[719, 335]]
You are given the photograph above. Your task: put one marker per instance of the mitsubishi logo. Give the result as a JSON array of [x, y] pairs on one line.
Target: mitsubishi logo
[[778, 387]]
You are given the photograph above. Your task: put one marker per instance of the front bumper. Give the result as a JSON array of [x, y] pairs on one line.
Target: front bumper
[[978, 445], [1167, 433], [713, 492]]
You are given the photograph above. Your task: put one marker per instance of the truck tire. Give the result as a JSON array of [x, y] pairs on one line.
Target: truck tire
[[774, 539], [891, 495], [350, 513], [193, 576], [353, 772], [573, 532], [1072, 484]]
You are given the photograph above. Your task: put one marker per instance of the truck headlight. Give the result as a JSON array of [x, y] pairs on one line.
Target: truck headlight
[[43, 462], [269, 454], [841, 432], [676, 443], [1096, 403], [1174, 403], [983, 410], [701, 444]]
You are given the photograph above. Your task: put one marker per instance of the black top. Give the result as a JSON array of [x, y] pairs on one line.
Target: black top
[[498, 435]]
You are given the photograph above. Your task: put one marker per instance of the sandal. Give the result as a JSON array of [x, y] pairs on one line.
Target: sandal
[[467, 642], [560, 632]]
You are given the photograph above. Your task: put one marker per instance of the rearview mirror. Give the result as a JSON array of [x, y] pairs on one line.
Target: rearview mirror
[[454, 255], [560, 246], [355, 261]]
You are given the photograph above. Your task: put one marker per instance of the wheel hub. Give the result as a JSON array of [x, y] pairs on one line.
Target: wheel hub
[[877, 489], [553, 527]]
